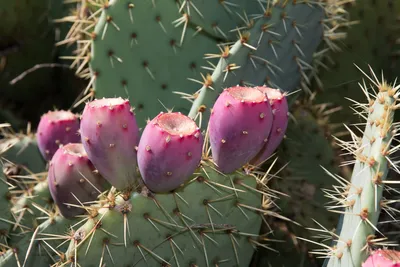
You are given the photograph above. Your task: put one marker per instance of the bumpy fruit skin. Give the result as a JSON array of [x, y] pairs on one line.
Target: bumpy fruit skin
[[240, 123], [383, 258], [169, 151], [71, 173], [280, 110], [57, 128], [110, 136]]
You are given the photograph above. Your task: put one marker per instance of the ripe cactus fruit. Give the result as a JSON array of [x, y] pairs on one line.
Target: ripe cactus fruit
[[56, 128], [240, 123], [280, 110], [110, 136], [383, 258], [73, 179], [169, 151]]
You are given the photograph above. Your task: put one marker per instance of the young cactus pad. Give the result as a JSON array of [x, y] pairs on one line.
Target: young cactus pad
[[360, 199], [170, 150], [56, 128]]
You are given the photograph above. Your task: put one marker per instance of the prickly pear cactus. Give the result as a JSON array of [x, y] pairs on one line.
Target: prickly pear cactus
[[185, 209], [165, 42]]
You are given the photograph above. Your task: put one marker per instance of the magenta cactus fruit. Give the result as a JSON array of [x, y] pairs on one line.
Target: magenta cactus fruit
[[73, 179], [383, 258], [280, 111], [240, 123], [56, 128], [169, 151], [110, 136]]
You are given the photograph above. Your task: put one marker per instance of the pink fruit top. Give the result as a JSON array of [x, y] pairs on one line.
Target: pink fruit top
[[240, 124], [57, 128], [169, 151]]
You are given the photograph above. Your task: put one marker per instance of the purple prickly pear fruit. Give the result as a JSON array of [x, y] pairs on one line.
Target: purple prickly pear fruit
[[383, 258], [280, 110], [110, 136], [240, 123], [56, 128], [72, 174], [169, 151]]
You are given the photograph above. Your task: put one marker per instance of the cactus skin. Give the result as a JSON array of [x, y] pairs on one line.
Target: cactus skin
[[110, 125], [280, 112], [57, 128], [170, 149], [240, 124], [73, 180], [383, 258], [39, 254], [363, 193], [25, 205], [284, 48], [253, 60], [22, 151], [175, 227]]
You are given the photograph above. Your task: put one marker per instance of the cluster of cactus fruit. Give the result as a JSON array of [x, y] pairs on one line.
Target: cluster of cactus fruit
[[195, 189], [100, 166], [169, 194]]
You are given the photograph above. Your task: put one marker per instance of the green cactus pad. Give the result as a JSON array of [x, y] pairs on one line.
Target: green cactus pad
[[152, 48], [212, 219], [144, 60], [359, 199], [39, 247], [255, 60], [21, 151], [220, 18], [28, 207]]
